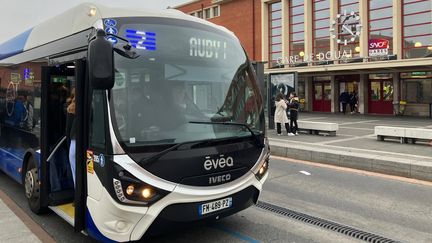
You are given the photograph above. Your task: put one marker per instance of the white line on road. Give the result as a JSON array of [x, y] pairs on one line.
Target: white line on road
[[314, 118], [357, 128], [347, 139], [305, 172], [358, 122]]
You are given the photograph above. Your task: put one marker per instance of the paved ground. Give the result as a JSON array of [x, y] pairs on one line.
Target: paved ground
[[376, 204], [392, 208], [356, 132], [356, 146], [12, 228]]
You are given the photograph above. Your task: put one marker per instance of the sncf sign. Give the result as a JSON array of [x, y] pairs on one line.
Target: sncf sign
[[378, 44], [378, 47]]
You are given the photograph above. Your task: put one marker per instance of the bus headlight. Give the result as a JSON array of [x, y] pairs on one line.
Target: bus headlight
[[147, 193], [130, 190], [263, 170]]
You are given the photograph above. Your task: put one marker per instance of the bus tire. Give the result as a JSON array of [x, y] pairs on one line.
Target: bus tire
[[32, 186]]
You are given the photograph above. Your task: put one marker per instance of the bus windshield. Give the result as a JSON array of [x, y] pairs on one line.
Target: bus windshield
[[189, 83]]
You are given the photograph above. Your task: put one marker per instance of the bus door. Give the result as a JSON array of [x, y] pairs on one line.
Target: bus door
[[61, 83]]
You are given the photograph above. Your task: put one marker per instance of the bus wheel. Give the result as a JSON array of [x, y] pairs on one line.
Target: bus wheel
[[32, 186]]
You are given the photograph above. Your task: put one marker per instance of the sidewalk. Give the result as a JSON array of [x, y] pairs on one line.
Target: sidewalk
[[16, 226], [355, 145]]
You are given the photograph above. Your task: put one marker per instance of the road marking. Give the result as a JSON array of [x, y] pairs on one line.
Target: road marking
[[313, 118], [357, 122], [358, 128], [235, 234], [35, 228], [305, 172], [362, 172], [347, 139]]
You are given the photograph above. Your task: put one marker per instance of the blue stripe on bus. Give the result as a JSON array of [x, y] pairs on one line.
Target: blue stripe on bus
[[93, 231], [14, 45], [11, 161]]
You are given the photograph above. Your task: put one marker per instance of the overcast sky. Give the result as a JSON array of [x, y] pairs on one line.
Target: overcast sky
[[20, 15]]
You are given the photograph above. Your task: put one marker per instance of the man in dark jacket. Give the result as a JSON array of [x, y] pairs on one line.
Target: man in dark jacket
[[293, 107], [344, 98]]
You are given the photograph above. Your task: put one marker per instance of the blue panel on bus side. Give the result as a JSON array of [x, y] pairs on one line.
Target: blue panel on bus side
[[93, 231], [14, 45], [10, 161]]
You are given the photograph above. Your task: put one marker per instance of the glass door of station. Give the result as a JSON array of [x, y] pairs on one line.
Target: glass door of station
[[321, 97], [381, 96]]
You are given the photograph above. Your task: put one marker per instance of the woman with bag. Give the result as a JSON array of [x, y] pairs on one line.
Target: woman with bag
[[280, 114]]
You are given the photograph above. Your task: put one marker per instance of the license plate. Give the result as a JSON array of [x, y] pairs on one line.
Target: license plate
[[214, 206]]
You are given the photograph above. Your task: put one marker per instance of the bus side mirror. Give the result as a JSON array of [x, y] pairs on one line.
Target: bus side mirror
[[101, 62]]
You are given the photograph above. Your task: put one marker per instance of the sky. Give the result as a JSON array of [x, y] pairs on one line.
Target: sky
[[18, 16]]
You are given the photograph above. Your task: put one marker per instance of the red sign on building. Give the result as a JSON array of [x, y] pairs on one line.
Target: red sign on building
[[378, 47]]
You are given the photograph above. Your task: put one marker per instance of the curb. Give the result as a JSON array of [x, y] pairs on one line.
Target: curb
[[34, 227], [385, 164]]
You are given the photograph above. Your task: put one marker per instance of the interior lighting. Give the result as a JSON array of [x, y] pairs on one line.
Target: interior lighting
[[430, 48], [418, 44], [301, 53], [92, 12], [357, 49]]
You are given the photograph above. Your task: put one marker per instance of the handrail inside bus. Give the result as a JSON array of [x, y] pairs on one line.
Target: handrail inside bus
[[56, 148]]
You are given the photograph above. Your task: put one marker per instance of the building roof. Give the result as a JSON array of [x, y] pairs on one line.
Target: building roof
[[78, 19], [185, 4]]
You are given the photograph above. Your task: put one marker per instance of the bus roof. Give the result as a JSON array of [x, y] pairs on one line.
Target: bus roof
[[78, 19]]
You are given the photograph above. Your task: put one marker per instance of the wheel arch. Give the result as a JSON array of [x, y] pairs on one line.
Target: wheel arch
[[29, 153]]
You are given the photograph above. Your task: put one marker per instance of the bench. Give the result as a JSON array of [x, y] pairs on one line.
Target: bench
[[318, 127], [404, 134]]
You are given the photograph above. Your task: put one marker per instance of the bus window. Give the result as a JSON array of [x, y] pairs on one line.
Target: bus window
[[97, 134]]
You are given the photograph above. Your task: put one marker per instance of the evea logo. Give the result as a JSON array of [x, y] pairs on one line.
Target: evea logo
[[220, 162]]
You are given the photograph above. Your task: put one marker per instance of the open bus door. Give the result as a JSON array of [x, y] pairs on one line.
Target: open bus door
[[57, 190]]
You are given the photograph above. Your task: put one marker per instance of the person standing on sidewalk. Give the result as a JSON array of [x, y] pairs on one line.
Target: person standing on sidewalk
[[280, 114], [293, 106], [353, 102], [344, 98]]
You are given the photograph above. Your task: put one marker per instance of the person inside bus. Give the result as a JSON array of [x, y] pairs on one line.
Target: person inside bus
[[29, 122], [71, 132]]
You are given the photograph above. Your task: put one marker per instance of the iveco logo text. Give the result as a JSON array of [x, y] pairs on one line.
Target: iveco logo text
[[219, 179], [220, 162]]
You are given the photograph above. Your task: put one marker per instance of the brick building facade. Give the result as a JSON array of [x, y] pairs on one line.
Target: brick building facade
[[243, 17]]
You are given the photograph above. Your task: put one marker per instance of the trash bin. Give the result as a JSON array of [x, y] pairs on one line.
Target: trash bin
[[402, 105]]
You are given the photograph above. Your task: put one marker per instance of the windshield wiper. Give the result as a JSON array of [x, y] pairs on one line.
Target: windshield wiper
[[260, 143], [174, 147]]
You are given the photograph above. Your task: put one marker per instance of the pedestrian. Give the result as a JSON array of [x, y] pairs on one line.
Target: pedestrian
[[71, 132], [293, 107], [353, 102], [280, 114], [344, 99]]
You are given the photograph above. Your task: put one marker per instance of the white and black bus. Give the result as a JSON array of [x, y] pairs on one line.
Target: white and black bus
[[169, 120]]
